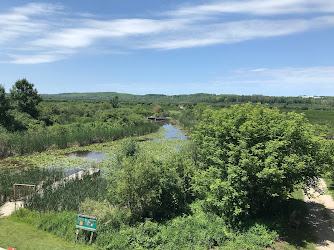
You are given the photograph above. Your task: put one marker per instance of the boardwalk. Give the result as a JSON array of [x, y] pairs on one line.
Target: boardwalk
[[9, 207]]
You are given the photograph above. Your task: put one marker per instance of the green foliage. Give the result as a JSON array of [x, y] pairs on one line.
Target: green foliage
[[257, 237], [4, 106], [110, 218], [25, 97], [157, 109], [68, 195], [324, 119], [328, 152], [114, 102], [286, 102], [148, 186], [4, 143], [198, 231], [252, 157], [42, 138], [30, 175], [128, 148], [244, 161], [161, 190]]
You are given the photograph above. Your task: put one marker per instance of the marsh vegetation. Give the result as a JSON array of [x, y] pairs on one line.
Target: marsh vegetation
[[231, 185]]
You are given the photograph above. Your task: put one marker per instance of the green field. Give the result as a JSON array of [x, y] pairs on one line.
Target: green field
[[26, 237], [320, 117]]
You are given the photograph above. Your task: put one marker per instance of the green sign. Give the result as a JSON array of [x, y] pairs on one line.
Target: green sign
[[86, 222]]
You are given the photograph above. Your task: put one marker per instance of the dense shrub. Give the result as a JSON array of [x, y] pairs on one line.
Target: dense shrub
[[252, 157], [256, 237], [198, 231], [150, 187]]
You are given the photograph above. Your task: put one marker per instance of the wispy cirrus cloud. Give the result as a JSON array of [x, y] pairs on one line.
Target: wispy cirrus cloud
[[238, 31], [285, 75], [40, 33], [91, 31], [278, 81], [256, 7]]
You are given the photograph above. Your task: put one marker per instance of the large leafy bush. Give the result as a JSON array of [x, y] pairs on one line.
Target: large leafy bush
[[252, 157]]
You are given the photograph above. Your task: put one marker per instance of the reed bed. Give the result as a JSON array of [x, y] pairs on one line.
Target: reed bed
[[69, 195], [21, 143], [31, 175]]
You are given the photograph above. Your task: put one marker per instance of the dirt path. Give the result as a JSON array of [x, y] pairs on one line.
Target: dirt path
[[321, 217], [9, 207]]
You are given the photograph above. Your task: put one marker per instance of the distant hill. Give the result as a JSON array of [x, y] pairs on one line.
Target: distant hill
[[201, 97], [196, 98]]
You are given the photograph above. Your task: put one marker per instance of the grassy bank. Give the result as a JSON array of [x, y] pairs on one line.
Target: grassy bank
[[21, 235]]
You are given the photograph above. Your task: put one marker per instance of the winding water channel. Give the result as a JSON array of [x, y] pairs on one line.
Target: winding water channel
[[72, 160], [96, 156], [170, 133]]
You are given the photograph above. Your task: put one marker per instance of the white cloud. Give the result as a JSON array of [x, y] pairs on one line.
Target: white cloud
[[46, 32], [257, 7], [94, 30], [295, 76], [34, 59], [37, 9], [238, 31], [15, 25]]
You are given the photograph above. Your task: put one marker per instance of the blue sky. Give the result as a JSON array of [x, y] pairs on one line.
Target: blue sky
[[272, 47]]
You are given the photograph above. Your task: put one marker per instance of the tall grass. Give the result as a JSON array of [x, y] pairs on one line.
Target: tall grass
[[67, 196], [21, 143], [31, 175]]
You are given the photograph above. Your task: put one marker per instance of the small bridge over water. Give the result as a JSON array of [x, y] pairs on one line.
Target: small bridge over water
[[156, 118]]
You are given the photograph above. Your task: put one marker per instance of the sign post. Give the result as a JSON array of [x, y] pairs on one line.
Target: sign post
[[88, 223]]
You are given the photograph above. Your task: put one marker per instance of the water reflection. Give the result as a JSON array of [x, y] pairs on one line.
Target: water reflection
[[174, 133], [88, 155], [92, 157]]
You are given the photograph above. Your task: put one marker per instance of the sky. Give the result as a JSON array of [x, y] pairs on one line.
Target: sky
[[245, 47]]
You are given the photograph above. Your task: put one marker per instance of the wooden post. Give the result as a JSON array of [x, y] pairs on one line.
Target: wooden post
[[14, 191], [91, 238], [76, 235]]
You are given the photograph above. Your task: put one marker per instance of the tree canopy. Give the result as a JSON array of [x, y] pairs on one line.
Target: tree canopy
[[114, 102], [26, 97], [4, 106], [252, 157]]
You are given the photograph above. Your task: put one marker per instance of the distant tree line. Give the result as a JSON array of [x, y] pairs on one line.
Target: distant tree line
[[197, 98]]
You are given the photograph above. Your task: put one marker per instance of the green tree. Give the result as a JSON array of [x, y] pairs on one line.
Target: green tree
[[150, 187], [252, 157], [25, 97], [199, 109], [157, 109], [4, 106], [114, 102]]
